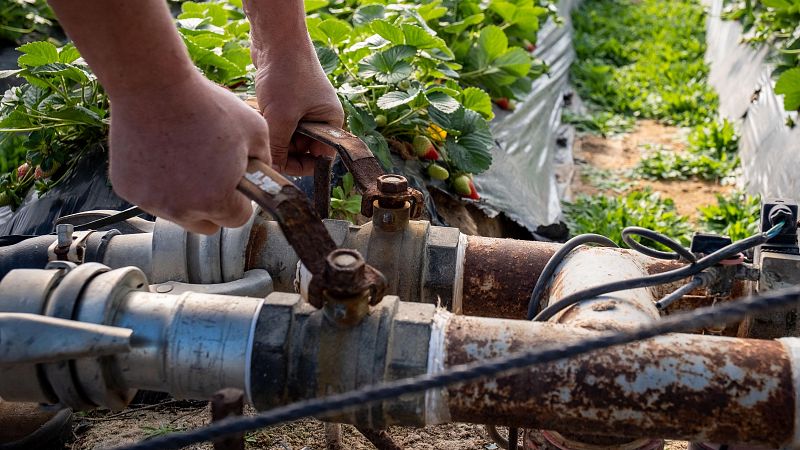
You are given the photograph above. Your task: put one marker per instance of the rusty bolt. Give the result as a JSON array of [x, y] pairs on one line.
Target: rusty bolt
[[392, 184], [344, 268]]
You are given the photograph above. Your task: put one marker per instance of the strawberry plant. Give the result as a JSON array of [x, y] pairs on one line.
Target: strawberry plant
[[710, 155], [403, 85], [49, 122], [644, 59], [216, 35], [776, 22], [735, 215], [19, 18], [608, 215], [345, 202]]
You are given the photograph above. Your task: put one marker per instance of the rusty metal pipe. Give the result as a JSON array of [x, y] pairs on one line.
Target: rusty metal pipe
[[746, 389]]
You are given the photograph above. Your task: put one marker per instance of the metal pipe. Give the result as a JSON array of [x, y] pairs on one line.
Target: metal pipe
[[746, 388], [282, 349]]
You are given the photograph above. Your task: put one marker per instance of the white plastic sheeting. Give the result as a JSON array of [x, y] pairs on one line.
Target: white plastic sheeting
[[741, 74]]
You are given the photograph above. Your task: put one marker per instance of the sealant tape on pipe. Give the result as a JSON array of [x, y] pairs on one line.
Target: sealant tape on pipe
[[436, 410]]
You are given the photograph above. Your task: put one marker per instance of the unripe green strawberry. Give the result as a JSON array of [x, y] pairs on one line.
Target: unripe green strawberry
[[39, 173], [438, 172], [424, 149], [380, 120], [461, 185], [5, 199]]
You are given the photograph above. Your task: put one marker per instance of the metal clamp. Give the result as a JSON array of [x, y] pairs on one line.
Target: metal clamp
[[70, 245]]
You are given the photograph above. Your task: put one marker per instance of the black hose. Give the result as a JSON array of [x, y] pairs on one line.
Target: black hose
[[661, 278], [547, 273], [678, 250], [697, 282]]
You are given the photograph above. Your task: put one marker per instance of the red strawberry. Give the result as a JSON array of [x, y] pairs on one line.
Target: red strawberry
[[22, 170], [504, 103], [473, 193], [39, 173], [529, 46], [424, 149]]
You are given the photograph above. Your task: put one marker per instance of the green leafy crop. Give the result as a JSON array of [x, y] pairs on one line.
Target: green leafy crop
[[216, 35], [776, 22], [735, 215], [608, 215], [49, 122], [644, 58], [19, 18], [345, 202], [710, 155]]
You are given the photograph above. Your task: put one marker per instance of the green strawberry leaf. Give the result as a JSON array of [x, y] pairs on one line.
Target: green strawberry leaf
[[443, 102], [388, 66], [789, 86], [492, 42], [327, 58], [479, 101], [313, 5], [388, 31], [367, 13], [37, 54], [394, 99], [337, 31]]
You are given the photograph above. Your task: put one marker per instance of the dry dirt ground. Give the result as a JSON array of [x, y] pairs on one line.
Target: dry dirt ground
[[104, 430], [599, 158]]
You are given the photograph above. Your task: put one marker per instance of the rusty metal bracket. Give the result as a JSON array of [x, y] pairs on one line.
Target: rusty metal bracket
[[302, 228], [360, 161]]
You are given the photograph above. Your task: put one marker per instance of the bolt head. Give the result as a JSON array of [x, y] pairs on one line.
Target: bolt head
[[344, 266], [392, 184]]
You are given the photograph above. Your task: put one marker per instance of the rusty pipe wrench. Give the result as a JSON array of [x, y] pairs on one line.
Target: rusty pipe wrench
[[360, 161], [302, 228]]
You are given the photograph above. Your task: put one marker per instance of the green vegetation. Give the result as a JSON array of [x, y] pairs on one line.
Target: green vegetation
[[644, 59], [710, 155], [608, 215], [50, 122], [776, 22], [22, 17], [403, 70], [345, 202], [603, 123], [736, 215]]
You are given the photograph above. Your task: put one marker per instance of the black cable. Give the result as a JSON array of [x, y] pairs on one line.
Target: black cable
[[321, 407], [661, 278], [547, 273], [121, 216], [678, 250], [670, 298]]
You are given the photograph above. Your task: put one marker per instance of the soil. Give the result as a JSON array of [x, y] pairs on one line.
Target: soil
[[619, 154], [99, 430]]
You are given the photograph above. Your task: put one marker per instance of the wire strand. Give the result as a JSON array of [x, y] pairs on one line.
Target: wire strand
[[547, 273], [703, 317], [661, 278]]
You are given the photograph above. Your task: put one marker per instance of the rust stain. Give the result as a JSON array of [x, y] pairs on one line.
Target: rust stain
[[499, 275], [680, 386], [256, 245]]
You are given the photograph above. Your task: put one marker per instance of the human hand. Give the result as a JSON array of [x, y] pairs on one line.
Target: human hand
[[180, 153], [292, 87]]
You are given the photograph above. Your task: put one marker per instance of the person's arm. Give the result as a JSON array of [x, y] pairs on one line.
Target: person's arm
[[179, 144], [290, 83]]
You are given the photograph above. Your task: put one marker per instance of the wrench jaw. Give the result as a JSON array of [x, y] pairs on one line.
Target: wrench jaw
[[342, 284]]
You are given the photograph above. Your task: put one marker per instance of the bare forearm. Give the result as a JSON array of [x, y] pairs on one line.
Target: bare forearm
[[278, 29], [132, 46]]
